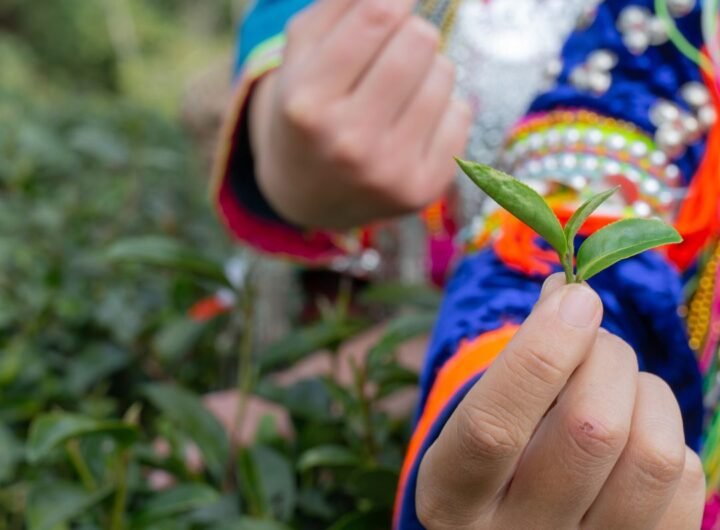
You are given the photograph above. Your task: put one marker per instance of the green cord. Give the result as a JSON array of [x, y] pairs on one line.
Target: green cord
[[677, 38], [709, 29]]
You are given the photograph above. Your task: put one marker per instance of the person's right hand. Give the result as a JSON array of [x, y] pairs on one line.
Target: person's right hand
[[563, 433], [359, 123]]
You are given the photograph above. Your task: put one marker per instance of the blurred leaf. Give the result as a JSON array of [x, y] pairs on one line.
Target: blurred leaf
[[327, 456], [376, 485], [619, 241], [166, 253], [92, 366], [178, 500], [251, 523], [520, 200], [11, 454], [398, 294], [272, 479], [51, 430], [400, 330], [376, 519], [187, 412], [392, 378], [307, 399], [176, 339], [53, 504], [326, 334]]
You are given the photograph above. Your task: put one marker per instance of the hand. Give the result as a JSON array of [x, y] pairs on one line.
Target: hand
[[358, 124], [563, 433]]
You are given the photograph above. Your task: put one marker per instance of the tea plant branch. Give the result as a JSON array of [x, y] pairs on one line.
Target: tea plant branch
[[81, 468], [606, 247]]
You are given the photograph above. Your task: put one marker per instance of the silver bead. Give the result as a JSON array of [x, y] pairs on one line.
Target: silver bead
[[707, 116], [578, 182], [639, 149], [536, 142], [642, 209], [670, 140], [599, 82], [666, 198], [594, 137], [370, 260], [651, 186], [680, 8], [553, 69], [633, 175], [657, 31], [637, 41], [691, 128], [612, 168], [632, 18], [572, 136], [603, 60], [534, 167], [695, 94], [554, 138], [658, 158], [664, 111], [590, 164], [550, 164], [579, 77], [569, 161], [672, 173], [616, 142]]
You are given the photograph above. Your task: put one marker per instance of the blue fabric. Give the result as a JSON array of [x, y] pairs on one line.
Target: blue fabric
[[638, 81], [265, 19]]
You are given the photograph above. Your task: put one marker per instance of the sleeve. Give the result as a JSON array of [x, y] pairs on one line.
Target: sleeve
[[625, 107], [239, 201]]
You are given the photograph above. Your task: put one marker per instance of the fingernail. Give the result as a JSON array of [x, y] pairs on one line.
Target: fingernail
[[552, 283], [579, 306]]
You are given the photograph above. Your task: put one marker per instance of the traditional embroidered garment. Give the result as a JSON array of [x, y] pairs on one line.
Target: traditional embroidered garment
[[572, 97]]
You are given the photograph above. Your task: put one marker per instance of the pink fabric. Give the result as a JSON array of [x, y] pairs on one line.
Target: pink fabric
[[711, 519]]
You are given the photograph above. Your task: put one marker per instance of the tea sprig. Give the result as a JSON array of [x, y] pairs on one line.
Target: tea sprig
[[615, 242]]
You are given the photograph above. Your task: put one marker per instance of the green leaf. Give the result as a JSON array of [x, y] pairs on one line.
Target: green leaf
[[375, 519], [178, 500], [186, 411], [10, 454], [377, 485], [402, 295], [251, 523], [168, 254], [327, 456], [400, 330], [518, 199], [301, 342], [619, 241], [574, 224], [51, 430], [54, 504], [177, 338], [271, 477]]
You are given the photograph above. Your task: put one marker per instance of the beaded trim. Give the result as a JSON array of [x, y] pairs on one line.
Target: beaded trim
[[585, 151]]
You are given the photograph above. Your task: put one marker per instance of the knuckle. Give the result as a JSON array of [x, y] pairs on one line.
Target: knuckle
[[693, 474], [595, 439], [623, 354], [296, 28], [484, 435], [423, 33], [536, 363], [659, 467], [300, 112], [349, 148]]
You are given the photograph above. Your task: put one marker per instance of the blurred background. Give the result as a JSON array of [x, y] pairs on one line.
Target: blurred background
[[126, 313]]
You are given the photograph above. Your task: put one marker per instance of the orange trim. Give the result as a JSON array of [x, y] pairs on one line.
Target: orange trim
[[472, 358], [699, 218]]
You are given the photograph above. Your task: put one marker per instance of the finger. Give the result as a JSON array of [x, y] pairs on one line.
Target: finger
[[686, 508], [552, 284], [647, 475], [578, 443], [491, 427], [397, 74], [450, 140], [422, 115], [307, 29], [352, 46]]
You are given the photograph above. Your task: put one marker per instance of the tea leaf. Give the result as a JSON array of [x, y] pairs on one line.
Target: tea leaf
[[575, 223], [54, 504], [51, 430], [175, 501], [327, 456], [520, 200], [619, 241]]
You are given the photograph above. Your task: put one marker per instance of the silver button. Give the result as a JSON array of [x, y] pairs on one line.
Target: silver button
[[695, 94]]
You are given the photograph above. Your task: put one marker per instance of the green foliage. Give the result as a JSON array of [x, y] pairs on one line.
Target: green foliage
[[609, 245]]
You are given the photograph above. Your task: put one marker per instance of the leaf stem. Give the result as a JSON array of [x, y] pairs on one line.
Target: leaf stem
[[76, 458], [567, 264], [117, 518]]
